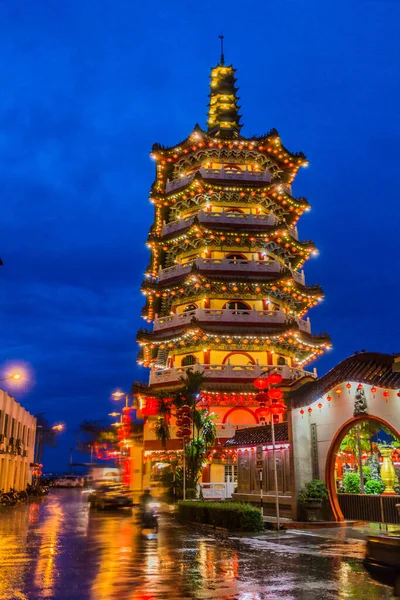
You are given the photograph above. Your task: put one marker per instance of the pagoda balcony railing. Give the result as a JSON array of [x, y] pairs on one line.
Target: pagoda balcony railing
[[299, 277], [220, 174], [227, 371], [228, 316], [232, 264], [221, 264], [224, 217]]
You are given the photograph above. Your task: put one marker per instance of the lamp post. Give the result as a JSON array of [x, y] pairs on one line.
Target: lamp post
[[276, 406], [15, 376]]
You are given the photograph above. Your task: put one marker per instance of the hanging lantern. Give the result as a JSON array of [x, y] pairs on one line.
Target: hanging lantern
[[261, 383], [310, 410], [185, 409], [373, 390], [186, 421], [186, 431], [276, 407], [275, 378], [319, 405], [262, 414], [348, 385], [398, 394], [329, 398], [338, 391], [179, 423], [360, 386], [302, 412], [386, 394], [179, 433], [275, 394], [262, 398]]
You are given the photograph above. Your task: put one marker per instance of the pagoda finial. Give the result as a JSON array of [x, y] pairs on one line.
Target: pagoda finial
[[222, 59]]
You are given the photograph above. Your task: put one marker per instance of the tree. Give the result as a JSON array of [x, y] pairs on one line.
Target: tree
[[204, 429], [45, 436]]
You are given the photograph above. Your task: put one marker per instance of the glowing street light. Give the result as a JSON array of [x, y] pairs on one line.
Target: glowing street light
[[58, 427], [114, 414], [14, 376]]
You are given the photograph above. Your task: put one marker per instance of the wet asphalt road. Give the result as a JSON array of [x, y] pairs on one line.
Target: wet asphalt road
[[57, 548]]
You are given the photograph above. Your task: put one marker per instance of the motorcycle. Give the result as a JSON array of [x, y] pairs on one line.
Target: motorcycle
[[149, 516]]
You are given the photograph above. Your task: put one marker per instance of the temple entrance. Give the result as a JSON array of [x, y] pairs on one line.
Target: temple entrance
[[363, 471]]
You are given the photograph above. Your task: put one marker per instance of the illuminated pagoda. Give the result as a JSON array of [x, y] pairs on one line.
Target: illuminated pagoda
[[225, 290]]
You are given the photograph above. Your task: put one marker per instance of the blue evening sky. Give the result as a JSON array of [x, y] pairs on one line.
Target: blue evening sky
[[87, 86]]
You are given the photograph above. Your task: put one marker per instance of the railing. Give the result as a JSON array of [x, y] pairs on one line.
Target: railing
[[371, 508], [223, 217], [227, 315], [299, 277], [216, 491], [221, 264], [223, 173], [227, 371], [174, 271]]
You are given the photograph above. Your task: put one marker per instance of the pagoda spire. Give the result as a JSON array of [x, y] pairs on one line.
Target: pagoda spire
[[223, 109]]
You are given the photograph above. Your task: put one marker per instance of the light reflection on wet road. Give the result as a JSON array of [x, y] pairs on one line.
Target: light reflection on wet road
[[57, 549]]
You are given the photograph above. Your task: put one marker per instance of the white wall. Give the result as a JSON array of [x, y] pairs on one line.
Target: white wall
[[329, 419]]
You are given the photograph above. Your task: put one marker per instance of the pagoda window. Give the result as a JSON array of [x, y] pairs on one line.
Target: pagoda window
[[188, 360], [233, 257], [237, 305], [190, 307]]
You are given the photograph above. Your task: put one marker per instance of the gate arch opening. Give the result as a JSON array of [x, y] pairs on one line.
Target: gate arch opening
[[333, 452]]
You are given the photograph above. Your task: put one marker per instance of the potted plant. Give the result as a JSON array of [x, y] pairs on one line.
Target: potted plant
[[312, 498]]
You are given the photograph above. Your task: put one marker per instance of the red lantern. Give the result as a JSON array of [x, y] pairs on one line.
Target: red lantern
[[398, 394], [302, 411], [373, 389], [329, 398], [262, 414], [179, 423], [262, 398], [185, 409], [261, 383], [348, 385], [275, 378], [186, 421], [319, 405], [276, 408], [179, 433], [360, 386], [386, 394], [310, 410], [338, 391], [186, 431], [275, 393]]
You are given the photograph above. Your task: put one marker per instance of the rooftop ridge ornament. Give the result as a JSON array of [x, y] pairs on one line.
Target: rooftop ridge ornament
[[222, 59]]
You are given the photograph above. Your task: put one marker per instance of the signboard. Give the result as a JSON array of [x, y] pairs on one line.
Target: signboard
[[259, 457]]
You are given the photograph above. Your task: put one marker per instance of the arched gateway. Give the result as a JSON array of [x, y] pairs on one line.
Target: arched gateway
[[346, 429]]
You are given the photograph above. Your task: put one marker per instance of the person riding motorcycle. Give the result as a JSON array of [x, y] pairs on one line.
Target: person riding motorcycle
[[147, 512]]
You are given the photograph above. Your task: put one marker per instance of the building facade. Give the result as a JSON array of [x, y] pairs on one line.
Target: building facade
[[225, 288], [17, 442]]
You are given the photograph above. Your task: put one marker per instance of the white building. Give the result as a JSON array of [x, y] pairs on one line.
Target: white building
[[17, 442]]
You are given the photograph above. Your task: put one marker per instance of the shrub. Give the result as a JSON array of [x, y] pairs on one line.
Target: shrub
[[373, 486], [235, 516], [314, 490], [351, 483], [191, 494], [367, 473]]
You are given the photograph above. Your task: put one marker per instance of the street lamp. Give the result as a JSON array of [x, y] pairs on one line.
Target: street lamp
[[58, 427], [117, 395], [276, 406], [14, 376]]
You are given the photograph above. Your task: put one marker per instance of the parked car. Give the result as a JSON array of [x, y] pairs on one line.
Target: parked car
[[382, 560], [110, 495], [69, 481]]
